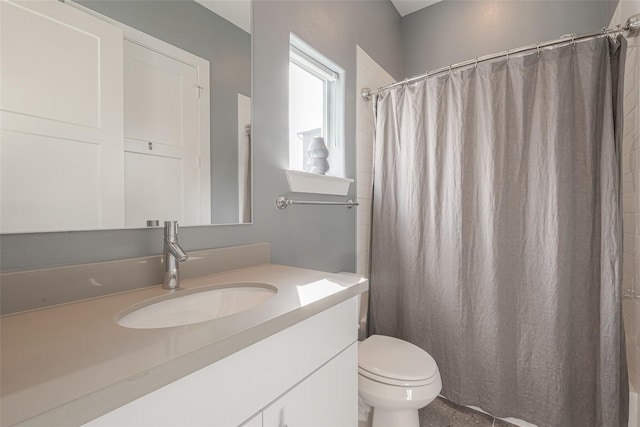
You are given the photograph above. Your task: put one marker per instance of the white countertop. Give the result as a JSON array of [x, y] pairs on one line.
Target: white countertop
[[73, 362]]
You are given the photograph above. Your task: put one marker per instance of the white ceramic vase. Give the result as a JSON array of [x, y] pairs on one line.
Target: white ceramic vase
[[318, 154]]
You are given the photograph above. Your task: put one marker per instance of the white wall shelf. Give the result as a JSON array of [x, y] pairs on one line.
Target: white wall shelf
[[305, 182]]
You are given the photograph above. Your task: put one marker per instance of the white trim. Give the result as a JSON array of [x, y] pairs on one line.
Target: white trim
[[308, 50], [307, 62], [335, 115], [150, 42]]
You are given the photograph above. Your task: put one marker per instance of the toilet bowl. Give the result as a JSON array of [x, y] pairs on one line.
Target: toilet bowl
[[396, 378]]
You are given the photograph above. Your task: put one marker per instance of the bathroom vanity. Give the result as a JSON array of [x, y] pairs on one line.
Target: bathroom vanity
[[290, 360]]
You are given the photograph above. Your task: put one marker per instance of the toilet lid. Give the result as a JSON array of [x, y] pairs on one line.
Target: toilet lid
[[393, 358]]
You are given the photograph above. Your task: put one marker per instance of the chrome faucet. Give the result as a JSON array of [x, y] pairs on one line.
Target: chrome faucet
[[173, 254]]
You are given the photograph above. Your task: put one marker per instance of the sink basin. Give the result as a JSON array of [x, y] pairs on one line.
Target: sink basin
[[196, 305]]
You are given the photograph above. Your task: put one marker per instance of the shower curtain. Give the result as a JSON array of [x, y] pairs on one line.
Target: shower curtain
[[496, 232]]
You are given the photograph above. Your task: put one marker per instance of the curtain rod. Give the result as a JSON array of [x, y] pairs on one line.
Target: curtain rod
[[632, 26]]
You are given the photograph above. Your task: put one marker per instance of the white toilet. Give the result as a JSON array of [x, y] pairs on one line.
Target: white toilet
[[396, 378]]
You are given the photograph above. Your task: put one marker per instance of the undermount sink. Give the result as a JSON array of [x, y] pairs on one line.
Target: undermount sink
[[187, 307]]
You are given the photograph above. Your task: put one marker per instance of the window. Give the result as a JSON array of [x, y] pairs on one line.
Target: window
[[316, 105]]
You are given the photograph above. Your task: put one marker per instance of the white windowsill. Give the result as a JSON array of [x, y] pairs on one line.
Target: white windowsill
[[305, 182]]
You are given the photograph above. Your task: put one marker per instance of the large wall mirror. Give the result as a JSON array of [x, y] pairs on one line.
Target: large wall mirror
[[124, 114]]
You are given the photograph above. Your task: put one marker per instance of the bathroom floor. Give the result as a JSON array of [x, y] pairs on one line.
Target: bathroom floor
[[443, 413]]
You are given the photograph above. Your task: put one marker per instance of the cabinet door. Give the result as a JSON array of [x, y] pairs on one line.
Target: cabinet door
[[61, 119], [328, 397]]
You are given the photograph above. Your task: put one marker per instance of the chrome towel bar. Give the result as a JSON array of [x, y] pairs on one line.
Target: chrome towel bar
[[282, 202]]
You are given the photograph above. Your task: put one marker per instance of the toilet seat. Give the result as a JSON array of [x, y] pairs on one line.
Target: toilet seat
[[395, 381], [395, 362]]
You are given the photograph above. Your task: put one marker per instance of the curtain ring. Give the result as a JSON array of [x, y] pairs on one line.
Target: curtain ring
[[615, 31], [507, 55], [604, 32], [573, 41], [538, 49], [475, 65], [449, 68]]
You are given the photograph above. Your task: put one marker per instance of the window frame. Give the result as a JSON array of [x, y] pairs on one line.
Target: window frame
[[310, 60]]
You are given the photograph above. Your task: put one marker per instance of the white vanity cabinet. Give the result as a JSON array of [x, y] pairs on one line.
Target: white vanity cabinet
[[305, 375], [325, 398]]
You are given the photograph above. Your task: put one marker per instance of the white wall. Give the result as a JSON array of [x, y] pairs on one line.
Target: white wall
[[631, 203], [369, 74]]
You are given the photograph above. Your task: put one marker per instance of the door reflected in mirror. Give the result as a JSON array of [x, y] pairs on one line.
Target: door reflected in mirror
[[111, 118]]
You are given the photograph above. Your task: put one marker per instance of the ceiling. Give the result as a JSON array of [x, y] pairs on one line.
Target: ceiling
[[238, 12], [405, 7]]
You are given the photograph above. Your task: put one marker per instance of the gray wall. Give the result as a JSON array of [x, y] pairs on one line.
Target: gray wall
[[196, 29], [458, 30], [314, 237], [317, 237]]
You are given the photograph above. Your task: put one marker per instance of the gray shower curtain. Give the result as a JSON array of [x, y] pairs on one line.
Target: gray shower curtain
[[496, 232]]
